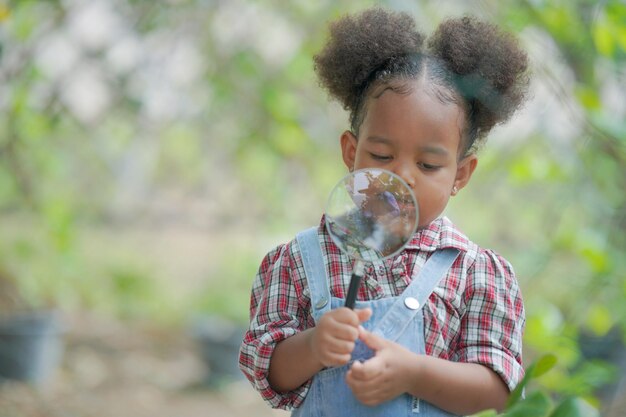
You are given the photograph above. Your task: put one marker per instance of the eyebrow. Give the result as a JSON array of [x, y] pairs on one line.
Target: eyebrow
[[425, 149], [434, 149], [378, 139]]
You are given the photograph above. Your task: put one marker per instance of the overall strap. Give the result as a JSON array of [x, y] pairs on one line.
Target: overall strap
[[411, 301], [315, 272]]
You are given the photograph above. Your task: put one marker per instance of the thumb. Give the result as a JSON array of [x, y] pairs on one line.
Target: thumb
[[371, 340], [363, 314]]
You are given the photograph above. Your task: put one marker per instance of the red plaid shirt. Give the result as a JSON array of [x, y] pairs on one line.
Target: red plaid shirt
[[474, 315]]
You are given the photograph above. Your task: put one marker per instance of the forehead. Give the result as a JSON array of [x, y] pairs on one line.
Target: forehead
[[413, 110]]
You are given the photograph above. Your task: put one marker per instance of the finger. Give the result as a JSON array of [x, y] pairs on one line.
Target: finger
[[371, 400], [338, 329], [371, 340], [334, 359], [370, 389], [346, 332], [366, 392], [346, 316], [363, 314], [356, 372], [366, 396], [338, 359], [339, 346], [368, 370], [355, 383]]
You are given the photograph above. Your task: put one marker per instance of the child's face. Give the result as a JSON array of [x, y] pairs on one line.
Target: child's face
[[418, 138]]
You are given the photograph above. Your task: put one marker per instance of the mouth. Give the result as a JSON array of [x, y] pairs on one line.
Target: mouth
[[405, 201], [408, 209]]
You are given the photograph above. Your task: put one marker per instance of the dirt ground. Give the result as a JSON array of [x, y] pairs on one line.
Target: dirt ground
[[112, 368]]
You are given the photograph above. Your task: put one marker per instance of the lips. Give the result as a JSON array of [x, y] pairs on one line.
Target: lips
[[406, 207]]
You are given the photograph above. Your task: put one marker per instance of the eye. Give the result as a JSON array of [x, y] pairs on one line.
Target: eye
[[378, 157], [428, 167]]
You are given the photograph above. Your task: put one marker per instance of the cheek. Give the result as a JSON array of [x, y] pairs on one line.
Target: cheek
[[431, 201], [358, 159], [362, 161]]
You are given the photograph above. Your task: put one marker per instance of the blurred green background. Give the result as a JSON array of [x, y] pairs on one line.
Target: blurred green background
[[151, 152]]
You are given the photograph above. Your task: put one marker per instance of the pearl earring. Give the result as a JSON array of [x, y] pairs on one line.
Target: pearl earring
[[455, 190]]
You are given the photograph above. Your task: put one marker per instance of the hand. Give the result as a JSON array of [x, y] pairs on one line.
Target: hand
[[382, 377], [333, 338]]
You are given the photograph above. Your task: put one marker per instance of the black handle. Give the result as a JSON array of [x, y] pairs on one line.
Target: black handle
[[355, 282]]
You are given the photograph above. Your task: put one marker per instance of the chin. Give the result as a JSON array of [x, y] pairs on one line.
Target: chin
[[424, 223]]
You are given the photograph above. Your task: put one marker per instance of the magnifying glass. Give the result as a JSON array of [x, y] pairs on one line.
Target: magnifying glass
[[371, 215]]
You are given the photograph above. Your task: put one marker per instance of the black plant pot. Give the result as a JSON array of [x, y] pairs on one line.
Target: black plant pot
[[31, 346], [218, 341]]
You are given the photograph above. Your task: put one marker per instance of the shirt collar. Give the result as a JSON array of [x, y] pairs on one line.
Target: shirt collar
[[440, 233]]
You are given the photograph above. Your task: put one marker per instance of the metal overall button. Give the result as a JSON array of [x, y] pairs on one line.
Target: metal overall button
[[411, 303]]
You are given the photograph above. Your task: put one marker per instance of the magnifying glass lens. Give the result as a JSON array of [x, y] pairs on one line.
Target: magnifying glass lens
[[371, 215]]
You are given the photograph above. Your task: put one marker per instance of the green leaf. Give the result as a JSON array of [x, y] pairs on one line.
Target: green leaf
[[516, 394], [567, 408], [544, 364], [620, 37], [535, 370], [538, 404], [486, 413], [599, 319], [588, 97], [289, 139], [602, 39]]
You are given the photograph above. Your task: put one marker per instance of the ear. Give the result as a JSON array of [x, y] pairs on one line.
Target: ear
[[464, 172], [348, 149]]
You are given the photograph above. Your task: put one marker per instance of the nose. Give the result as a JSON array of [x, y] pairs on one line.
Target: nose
[[406, 172]]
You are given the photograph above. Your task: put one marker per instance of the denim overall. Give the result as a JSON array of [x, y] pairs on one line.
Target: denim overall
[[398, 319]]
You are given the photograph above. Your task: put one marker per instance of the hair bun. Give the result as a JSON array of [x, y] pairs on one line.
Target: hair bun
[[490, 66], [359, 44]]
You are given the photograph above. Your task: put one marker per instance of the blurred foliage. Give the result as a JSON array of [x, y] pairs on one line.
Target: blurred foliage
[[125, 115], [228, 295], [538, 403], [582, 266]]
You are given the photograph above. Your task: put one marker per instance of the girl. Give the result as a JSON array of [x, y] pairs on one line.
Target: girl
[[437, 330]]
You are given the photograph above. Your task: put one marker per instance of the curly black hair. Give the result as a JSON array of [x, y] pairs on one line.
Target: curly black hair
[[466, 61]]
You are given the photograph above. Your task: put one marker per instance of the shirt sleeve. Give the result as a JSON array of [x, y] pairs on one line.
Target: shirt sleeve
[[277, 311], [493, 322]]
